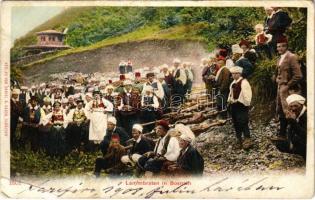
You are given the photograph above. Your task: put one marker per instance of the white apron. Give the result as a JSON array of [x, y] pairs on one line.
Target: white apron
[[98, 124]]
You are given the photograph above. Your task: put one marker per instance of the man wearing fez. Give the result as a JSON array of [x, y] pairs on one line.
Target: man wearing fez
[[140, 146], [288, 75], [297, 122], [15, 113], [111, 161], [239, 99], [129, 108], [222, 82], [77, 126], [31, 118], [189, 161], [166, 150], [113, 129]]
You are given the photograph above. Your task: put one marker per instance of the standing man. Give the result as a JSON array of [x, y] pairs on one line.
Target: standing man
[[288, 76], [222, 82], [241, 61], [240, 97], [16, 113]]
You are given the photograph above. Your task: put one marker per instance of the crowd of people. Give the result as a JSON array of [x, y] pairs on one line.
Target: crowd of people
[[117, 116]]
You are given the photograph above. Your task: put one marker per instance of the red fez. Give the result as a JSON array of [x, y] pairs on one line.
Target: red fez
[[122, 77], [110, 81], [137, 74], [282, 39], [115, 137], [223, 52], [244, 42], [164, 124], [220, 58]]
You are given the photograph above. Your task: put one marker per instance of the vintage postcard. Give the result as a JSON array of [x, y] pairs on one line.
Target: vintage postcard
[[157, 99]]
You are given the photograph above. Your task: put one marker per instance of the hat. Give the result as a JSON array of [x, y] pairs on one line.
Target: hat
[[148, 88], [137, 74], [223, 52], [282, 39], [115, 137], [127, 82], [138, 127], [150, 74], [57, 102], [47, 99], [79, 101], [186, 133], [89, 94], [122, 77], [16, 91], [295, 98], [244, 42], [236, 69], [112, 120], [164, 66], [24, 88], [110, 81], [176, 60], [237, 49], [164, 124]]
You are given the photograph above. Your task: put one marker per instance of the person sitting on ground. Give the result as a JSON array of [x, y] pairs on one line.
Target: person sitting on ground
[[111, 130], [166, 149], [111, 161], [297, 121], [140, 146], [189, 162]]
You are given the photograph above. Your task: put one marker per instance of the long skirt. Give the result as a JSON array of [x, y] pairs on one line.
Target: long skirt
[[56, 144]]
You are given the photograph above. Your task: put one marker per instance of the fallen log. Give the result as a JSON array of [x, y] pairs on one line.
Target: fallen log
[[198, 107], [197, 129]]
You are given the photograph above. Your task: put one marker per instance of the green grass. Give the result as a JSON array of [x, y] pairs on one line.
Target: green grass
[[149, 32]]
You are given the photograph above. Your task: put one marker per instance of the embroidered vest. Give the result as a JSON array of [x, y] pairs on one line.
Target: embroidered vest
[[236, 89]]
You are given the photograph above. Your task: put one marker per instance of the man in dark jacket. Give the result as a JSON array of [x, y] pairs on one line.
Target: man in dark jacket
[[31, 118], [189, 162], [112, 129], [140, 146], [16, 113], [297, 122]]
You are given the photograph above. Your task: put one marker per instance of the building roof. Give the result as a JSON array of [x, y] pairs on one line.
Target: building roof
[[50, 32]]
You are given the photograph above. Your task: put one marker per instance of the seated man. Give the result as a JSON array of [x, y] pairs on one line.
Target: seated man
[[111, 130], [111, 161], [141, 145], [166, 149], [297, 120], [189, 162]]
